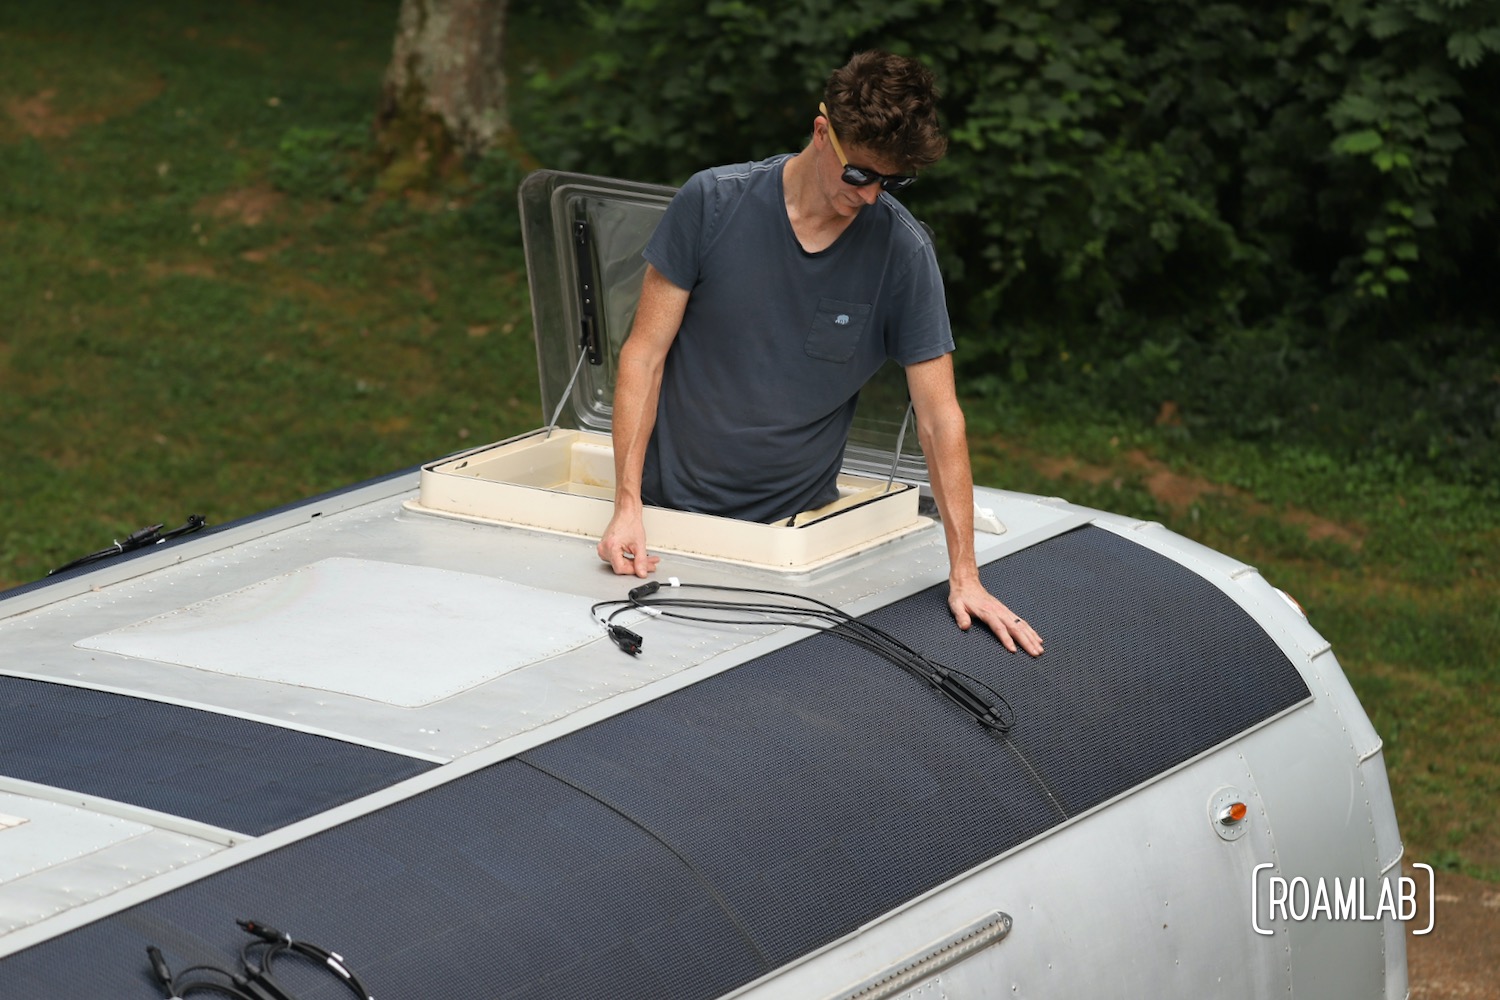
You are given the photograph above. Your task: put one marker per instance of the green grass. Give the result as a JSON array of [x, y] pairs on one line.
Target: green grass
[[185, 336], [209, 309]]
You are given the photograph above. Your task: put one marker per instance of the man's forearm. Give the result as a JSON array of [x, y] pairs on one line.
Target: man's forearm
[[634, 418], [952, 478], [638, 384], [637, 387]]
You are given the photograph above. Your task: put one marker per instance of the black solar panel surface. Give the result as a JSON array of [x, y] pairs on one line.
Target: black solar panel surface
[[688, 845], [245, 776]]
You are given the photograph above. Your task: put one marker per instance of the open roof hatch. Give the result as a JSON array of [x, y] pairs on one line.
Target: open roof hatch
[[583, 238]]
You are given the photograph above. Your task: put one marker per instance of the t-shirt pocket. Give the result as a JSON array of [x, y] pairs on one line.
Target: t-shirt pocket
[[836, 329]]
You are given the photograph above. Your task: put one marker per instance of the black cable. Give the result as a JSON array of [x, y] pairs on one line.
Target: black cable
[[986, 705], [256, 983], [275, 943], [138, 539], [238, 987], [824, 610], [861, 633]]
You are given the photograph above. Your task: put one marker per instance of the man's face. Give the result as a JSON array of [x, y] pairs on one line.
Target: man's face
[[864, 170], [847, 198]]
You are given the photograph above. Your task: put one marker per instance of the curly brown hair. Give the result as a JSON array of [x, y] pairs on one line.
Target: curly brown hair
[[887, 104]]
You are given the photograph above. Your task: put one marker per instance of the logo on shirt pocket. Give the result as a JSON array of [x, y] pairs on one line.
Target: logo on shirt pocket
[[836, 329]]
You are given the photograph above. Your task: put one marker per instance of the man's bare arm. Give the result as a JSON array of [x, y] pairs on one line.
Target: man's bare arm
[[940, 424], [637, 386]]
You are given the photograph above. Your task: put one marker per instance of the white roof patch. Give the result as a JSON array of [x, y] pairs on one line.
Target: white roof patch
[[398, 634]]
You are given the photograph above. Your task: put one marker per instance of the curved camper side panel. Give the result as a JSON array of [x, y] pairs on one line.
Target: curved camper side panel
[[1140, 898]]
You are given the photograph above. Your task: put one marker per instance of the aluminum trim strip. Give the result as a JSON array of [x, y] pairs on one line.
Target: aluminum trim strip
[[124, 810], [934, 958]]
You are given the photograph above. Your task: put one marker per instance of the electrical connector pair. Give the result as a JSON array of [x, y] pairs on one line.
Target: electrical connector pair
[[255, 982], [628, 641]]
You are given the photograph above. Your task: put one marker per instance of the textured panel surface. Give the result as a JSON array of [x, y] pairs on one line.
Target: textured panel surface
[[686, 846], [245, 776]]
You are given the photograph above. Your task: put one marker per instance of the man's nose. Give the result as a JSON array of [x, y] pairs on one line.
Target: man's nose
[[869, 193]]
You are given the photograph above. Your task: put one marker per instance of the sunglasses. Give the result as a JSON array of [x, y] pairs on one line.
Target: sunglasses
[[864, 176]]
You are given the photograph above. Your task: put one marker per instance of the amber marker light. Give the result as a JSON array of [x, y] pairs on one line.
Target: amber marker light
[[1234, 813]]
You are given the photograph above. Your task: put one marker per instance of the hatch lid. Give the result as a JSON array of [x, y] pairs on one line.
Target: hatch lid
[[583, 237]]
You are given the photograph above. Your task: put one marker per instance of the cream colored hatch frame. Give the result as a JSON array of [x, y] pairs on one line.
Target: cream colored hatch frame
[[563, 482]]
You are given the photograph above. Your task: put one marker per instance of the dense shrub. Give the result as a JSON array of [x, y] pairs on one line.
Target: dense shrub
[[1150, 176]]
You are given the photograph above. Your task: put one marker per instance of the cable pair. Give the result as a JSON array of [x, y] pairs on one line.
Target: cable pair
[[256, 982], [986, 705], [138, 539]]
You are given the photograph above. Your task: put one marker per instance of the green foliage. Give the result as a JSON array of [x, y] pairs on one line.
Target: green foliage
[[1156, 190], [322, 163]]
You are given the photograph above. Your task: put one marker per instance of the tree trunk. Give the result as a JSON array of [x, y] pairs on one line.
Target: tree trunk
[[444, 93]]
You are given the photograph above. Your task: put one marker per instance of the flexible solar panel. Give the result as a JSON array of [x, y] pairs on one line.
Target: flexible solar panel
[[240, 775], [689, 845]]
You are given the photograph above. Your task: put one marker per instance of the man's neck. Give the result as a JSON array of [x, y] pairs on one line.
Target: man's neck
[[814, 220]]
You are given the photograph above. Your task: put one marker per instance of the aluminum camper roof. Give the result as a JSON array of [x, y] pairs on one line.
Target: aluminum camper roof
[[214, 727]]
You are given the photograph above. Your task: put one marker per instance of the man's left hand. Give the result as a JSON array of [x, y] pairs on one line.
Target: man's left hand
[[969, 600]]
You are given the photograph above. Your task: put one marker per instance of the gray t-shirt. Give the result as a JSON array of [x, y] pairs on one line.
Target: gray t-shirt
[[760, 385]]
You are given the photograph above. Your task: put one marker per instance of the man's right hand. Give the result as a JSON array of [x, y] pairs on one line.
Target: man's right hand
[[624, 545]]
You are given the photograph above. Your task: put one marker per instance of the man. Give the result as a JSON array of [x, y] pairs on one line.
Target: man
[[773, 291]]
